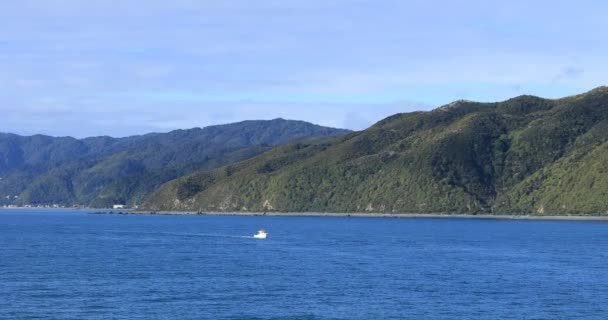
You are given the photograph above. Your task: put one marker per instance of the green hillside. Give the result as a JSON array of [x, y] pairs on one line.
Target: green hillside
[[102, 171], [526, 155]]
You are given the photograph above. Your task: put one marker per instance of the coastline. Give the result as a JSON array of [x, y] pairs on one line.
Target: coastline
[[383, 215], [333, 214]]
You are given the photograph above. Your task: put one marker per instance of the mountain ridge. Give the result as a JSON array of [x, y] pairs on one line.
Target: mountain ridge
[[513, 157], [98, 171]]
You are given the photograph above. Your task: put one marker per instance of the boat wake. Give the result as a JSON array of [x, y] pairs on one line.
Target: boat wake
[[224, 236], [179, 234]]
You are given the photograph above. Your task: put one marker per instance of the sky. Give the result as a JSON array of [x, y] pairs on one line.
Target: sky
[[118, 68]]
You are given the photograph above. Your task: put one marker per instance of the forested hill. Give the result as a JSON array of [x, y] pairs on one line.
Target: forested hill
[[526, 155], [102, 171]]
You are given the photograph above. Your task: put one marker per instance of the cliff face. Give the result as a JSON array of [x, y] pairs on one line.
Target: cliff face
[[525, 155]]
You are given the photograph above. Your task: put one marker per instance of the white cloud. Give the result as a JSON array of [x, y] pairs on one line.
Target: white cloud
[[107, 67]]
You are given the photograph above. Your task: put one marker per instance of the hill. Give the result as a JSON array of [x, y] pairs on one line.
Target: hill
[[101, 171], [526, 155]]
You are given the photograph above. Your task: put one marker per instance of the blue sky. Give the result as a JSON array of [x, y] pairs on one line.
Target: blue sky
[[102, 67]]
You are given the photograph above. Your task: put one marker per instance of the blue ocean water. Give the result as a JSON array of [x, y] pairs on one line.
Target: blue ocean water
[[74, 265]]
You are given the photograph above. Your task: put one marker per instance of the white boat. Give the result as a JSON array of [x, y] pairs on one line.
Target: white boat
[[262, 234]]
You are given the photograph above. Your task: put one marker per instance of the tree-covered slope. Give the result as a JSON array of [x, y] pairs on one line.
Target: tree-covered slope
[[525, 155], [102, 171]]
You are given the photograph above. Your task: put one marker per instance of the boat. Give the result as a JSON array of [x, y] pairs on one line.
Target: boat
[[262, 234]]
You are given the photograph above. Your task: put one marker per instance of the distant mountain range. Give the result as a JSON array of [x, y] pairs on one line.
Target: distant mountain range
[[526, 155], [102, 171]]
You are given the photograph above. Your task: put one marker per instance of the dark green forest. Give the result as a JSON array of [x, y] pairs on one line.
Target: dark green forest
[[526, 155], [102, 171]]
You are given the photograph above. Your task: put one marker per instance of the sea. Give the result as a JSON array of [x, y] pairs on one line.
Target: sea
[[71, 264]]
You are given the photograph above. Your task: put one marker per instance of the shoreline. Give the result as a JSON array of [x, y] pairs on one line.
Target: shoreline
[[332, 214], [383, 215]]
